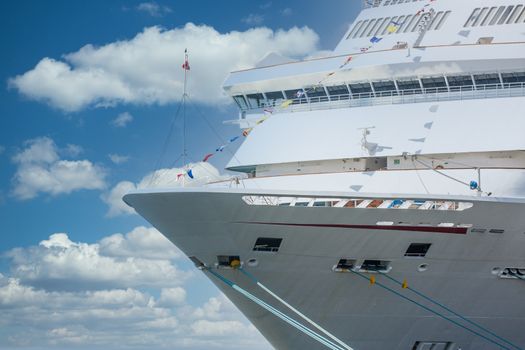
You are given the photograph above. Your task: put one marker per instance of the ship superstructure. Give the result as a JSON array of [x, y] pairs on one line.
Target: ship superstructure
[[377, 185]]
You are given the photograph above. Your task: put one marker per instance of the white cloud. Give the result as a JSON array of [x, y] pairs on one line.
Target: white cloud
[[147, 68], [140, 242], [39, 150], [122, 120], [116, 261], [39, 170], [114, 199], [170, 297], [118, 159], [203, 173], [153, 9], [127, 315], [253, 19]]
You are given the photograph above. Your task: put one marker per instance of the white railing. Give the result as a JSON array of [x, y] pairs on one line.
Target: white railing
[[359, 203], [436, 94]]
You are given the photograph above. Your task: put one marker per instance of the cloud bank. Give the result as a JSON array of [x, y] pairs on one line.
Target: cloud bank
[[147, 70], [137, 296]]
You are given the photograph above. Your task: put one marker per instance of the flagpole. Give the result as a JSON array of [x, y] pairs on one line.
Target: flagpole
[[186, 67]]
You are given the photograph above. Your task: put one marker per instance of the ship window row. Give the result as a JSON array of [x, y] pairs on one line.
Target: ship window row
[[381, 88], [377, 3], [496, 15], [405, 24]]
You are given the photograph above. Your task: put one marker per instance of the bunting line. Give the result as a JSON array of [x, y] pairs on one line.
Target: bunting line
[[393, 27]]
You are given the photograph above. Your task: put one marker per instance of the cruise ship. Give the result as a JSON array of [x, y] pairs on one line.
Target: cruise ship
[[379, 201]]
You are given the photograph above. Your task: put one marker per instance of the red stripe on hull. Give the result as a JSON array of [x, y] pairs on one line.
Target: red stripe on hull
[[432, 229]]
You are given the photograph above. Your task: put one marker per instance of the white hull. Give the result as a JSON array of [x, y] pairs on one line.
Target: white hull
[[208, 223]]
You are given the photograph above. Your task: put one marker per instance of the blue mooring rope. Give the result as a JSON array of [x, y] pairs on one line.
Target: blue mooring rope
[[453, 312], [299, 326], [434, 312]]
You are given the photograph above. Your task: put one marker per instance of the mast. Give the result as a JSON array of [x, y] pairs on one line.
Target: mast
[[186, 67]]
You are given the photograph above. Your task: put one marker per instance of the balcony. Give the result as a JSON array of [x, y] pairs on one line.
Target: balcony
[[391, 97]]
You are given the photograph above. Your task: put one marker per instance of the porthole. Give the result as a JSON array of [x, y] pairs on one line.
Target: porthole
[[422, 267]]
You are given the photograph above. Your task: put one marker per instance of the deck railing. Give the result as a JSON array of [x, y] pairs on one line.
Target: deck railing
[[371, 98]]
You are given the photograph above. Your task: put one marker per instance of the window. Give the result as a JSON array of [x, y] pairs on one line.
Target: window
[[383, 26], [515, 14], [472, 17], [405, 23], [496, 16], [352, 32], [374, 28], [440, 24], [487, 79], [361, 90], [316, 93], [480, 16], [267, 244], [409, 87], [298, 96], [375, 265], [338, 92], [458, 82], [400, 20], [255, 100], [489, 16], [345, 264], [241, 101], [416, 21], [418, 250], [362, 29], [521, 17], [435, 20], [434, 84], [505, 15], [274, 97], [385, 88], [516, 78], [368, 27], [498, 231], [410, 24]]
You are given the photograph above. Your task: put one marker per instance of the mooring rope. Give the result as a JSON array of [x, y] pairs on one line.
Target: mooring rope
[[437, 313], [300, 314], [450, 310], [319, 338]]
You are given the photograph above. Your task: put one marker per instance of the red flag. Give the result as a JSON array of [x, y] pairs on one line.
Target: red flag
[[186, 64], [208, 156]]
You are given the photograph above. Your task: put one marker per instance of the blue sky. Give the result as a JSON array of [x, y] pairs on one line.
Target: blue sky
[[80, 123]]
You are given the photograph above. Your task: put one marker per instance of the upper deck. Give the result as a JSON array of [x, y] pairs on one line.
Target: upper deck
[[438, 43]]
